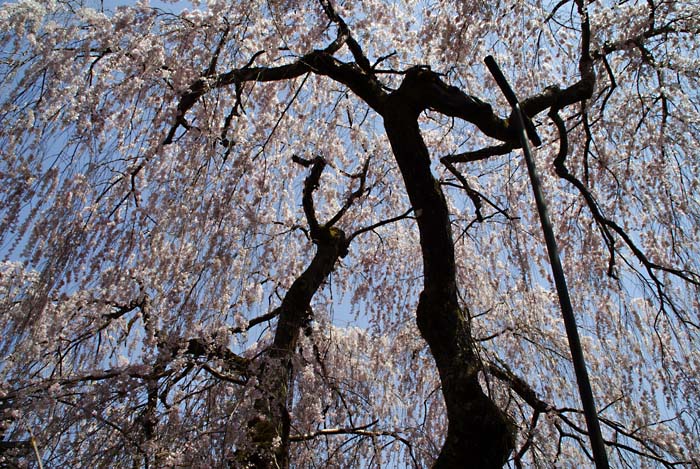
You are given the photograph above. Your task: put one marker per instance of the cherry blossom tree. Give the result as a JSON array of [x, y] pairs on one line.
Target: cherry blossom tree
[[300, 233]]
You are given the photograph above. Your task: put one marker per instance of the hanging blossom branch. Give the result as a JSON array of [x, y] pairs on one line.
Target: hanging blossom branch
[[476, 155], [606, 225], [539, 407], [362, 431]]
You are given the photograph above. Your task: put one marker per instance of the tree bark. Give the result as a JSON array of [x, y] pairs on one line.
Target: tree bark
[[479, 434]]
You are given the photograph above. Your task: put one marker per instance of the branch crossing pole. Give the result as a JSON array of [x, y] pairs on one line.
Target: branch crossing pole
[[527, 129]]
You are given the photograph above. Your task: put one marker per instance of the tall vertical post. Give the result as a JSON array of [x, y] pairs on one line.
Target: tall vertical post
[[527, 129]]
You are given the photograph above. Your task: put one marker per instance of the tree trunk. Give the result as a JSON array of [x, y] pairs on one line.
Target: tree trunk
[[479, 435]]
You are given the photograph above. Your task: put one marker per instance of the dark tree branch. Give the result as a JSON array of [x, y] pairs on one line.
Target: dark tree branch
[[481, 154], [210, 80], [374, 226], [353, 195], [473, 195], [255, 321], [211, 69], [359, 56], [605, 223], [198, 347], [517, 384], [282, 114], [310, 185]]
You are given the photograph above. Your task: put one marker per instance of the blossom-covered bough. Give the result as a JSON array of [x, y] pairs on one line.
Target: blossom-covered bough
[[196, 203]]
